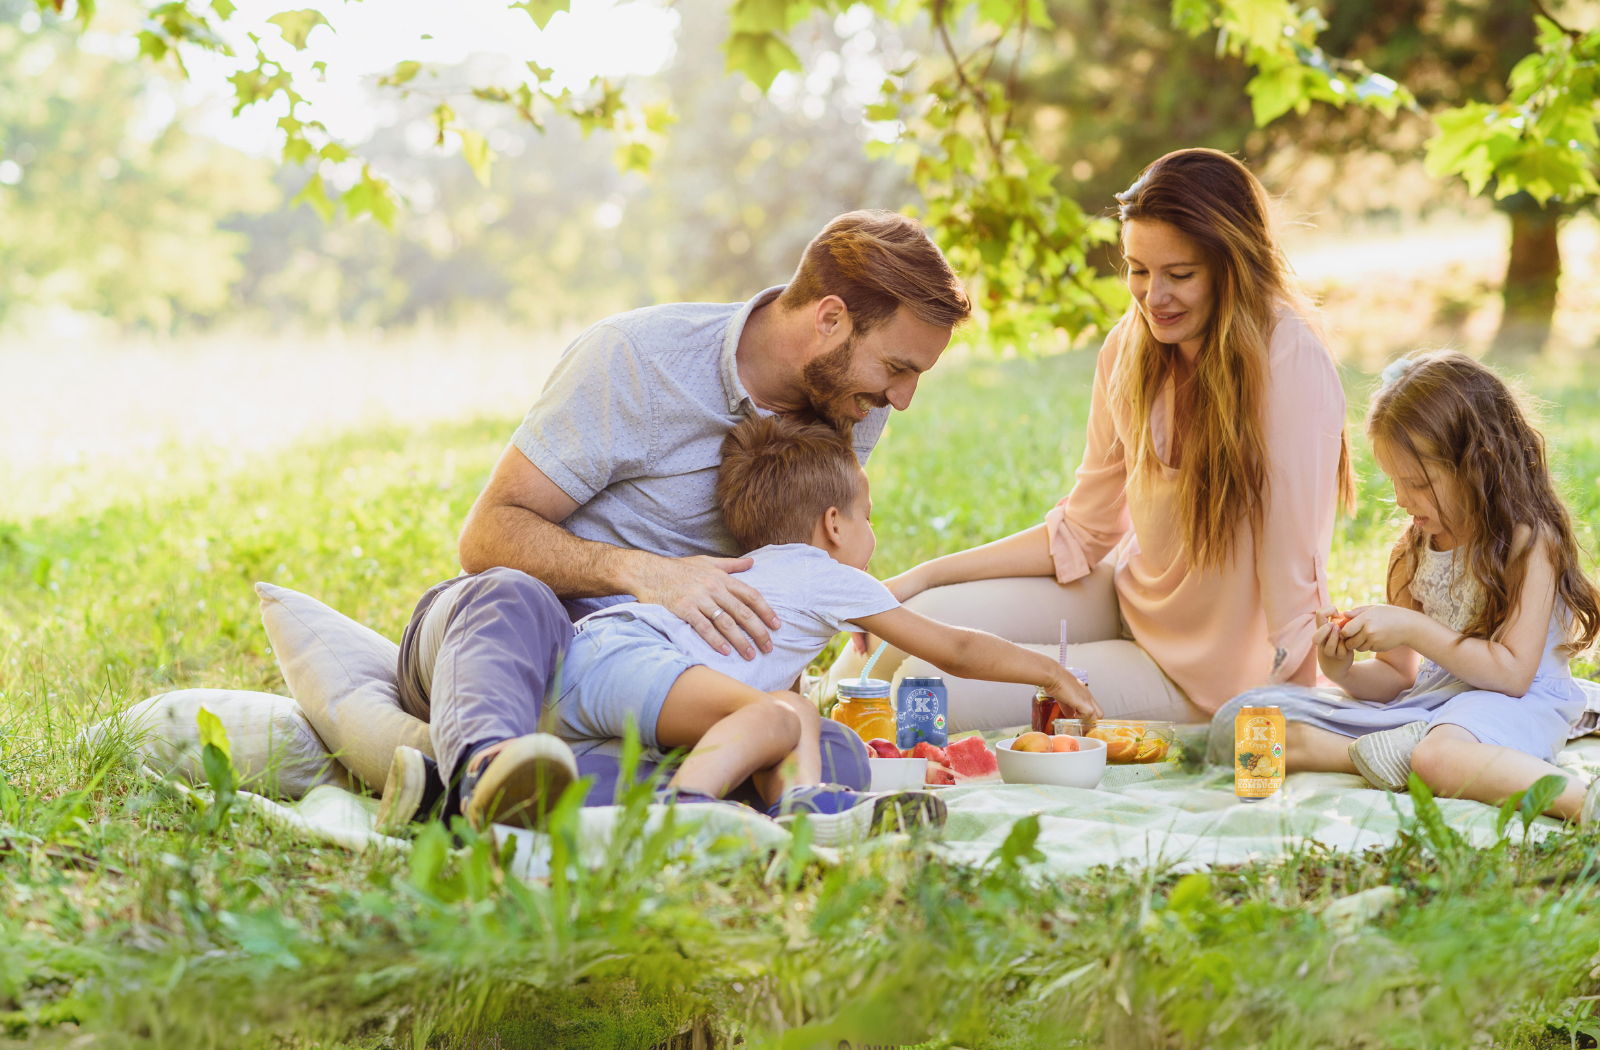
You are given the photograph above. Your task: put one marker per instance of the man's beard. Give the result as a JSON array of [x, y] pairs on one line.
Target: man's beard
[[827, 385]]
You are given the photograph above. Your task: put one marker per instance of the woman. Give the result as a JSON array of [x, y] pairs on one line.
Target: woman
[[1189, 558]]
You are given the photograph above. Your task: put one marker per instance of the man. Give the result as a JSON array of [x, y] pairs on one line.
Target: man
[[606, 492]]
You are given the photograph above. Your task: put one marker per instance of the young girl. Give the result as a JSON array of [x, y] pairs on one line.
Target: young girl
[[1484, 586]]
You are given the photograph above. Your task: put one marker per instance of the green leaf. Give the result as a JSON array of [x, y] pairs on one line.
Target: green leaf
[[212, 732], [541, 11], [223, 8], [1540, 797], [297, 25], [151, 46], [315, 195], [1193, 16], [403, 72], [766, 16], [759, 56], [658, 117], [1019, 846], [371, 196], [476, 152], [1274, 92], [1191, 891], [1508, 809], [634, 156], [540, 73]]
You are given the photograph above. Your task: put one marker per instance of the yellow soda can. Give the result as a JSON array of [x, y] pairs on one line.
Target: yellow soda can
[[1258, 752]]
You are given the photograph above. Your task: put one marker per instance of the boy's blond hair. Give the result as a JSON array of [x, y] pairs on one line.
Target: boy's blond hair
[[778, 476]]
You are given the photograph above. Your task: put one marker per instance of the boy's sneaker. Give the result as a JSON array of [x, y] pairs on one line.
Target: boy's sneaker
[[520, 784], [412, 787], [838, 814], [673, 797], [1384, 759]]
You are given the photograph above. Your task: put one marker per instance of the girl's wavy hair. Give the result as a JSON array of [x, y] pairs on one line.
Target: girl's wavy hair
[[1453, 414], [1215, 202]]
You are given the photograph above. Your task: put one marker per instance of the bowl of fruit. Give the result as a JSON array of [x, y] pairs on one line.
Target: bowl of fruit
[[964, 761], [1062, 760], [1129, 741]]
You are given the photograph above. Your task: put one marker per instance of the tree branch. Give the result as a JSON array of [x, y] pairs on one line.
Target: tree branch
[[961, 75], [1538, 6]]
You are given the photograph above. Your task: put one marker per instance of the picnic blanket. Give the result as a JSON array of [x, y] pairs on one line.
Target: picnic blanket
[[1165, 816]]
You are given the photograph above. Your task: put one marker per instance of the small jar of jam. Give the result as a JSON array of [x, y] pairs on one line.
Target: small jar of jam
[[864, 706], [1046, 709]]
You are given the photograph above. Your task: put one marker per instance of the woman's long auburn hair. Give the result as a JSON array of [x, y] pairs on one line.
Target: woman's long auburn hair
[[1216, 203], [1453, 414]]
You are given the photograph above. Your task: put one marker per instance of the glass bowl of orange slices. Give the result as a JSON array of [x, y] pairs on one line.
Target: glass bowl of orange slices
[[1129, 741]]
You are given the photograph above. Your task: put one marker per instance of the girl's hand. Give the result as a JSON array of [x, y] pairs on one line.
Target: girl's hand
[[1379, 628], [1066, 690], [1333, 656]]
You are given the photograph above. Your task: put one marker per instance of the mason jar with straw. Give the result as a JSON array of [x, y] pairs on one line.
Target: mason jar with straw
[[863, 703]]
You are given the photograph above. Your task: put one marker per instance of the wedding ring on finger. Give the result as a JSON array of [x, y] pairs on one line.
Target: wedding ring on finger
[[719, 612]]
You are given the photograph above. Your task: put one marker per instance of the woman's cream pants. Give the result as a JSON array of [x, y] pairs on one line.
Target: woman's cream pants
[[1028, 610]]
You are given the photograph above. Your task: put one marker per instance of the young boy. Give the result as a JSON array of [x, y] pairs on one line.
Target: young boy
[[794, 495]]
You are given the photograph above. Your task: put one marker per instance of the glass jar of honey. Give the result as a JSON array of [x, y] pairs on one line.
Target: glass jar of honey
[[864, 706]]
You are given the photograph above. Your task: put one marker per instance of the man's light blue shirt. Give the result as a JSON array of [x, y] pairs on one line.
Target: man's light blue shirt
[[631, 422]]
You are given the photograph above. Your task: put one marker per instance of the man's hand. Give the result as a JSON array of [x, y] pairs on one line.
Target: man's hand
[[1379, 628], [702, 593]]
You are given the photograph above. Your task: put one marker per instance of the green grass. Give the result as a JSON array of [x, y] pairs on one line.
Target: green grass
[[127, 920]]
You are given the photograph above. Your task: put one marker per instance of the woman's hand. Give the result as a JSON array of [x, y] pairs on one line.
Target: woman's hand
[[1333, 655], [1065, 689], [907, 585], [1379, 628]]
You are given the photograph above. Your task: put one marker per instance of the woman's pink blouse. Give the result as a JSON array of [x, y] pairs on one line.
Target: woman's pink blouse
[[1221, 631]]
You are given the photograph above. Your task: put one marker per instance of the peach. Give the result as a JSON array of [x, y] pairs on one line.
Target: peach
[[1036, 742], [1063, 742]]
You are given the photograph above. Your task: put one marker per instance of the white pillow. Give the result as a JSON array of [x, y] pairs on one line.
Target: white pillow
[[343, 674], [275, 750]]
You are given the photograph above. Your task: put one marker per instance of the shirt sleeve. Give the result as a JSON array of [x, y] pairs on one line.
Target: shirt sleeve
[[1304, 424], [851, 595], [1092, 518], [593, 424]]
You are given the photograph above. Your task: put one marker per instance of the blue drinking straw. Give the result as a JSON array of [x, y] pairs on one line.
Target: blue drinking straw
[[865, 671]]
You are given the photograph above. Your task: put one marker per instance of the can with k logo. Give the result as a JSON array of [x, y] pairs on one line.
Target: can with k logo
[[920, 708]]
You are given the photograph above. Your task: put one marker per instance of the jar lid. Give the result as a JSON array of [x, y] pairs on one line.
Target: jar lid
[[915, 682], [863, 689], [1080, 674]]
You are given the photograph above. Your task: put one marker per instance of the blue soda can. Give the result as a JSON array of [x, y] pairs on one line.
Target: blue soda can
[[920, 706]]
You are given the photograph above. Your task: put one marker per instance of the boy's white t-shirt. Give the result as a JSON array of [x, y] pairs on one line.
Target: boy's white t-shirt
[[813, 596]]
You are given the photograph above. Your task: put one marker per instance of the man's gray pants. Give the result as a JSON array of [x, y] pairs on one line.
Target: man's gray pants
[[481, 655]]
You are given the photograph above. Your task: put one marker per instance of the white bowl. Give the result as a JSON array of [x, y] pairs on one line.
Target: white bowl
[[898, 774], [1074, 769]]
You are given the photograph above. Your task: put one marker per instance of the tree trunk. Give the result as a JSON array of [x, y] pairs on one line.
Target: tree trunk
[[1532, 273]]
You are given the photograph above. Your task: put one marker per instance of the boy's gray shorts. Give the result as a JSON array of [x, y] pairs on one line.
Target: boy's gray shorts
[[620, 670]]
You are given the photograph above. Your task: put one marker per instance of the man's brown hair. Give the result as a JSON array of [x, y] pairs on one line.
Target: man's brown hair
[[878, 261], [778, 476]]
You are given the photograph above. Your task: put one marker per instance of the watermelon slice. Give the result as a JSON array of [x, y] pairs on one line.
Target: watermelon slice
[[939, 771], [882, 748], [971, 760]]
